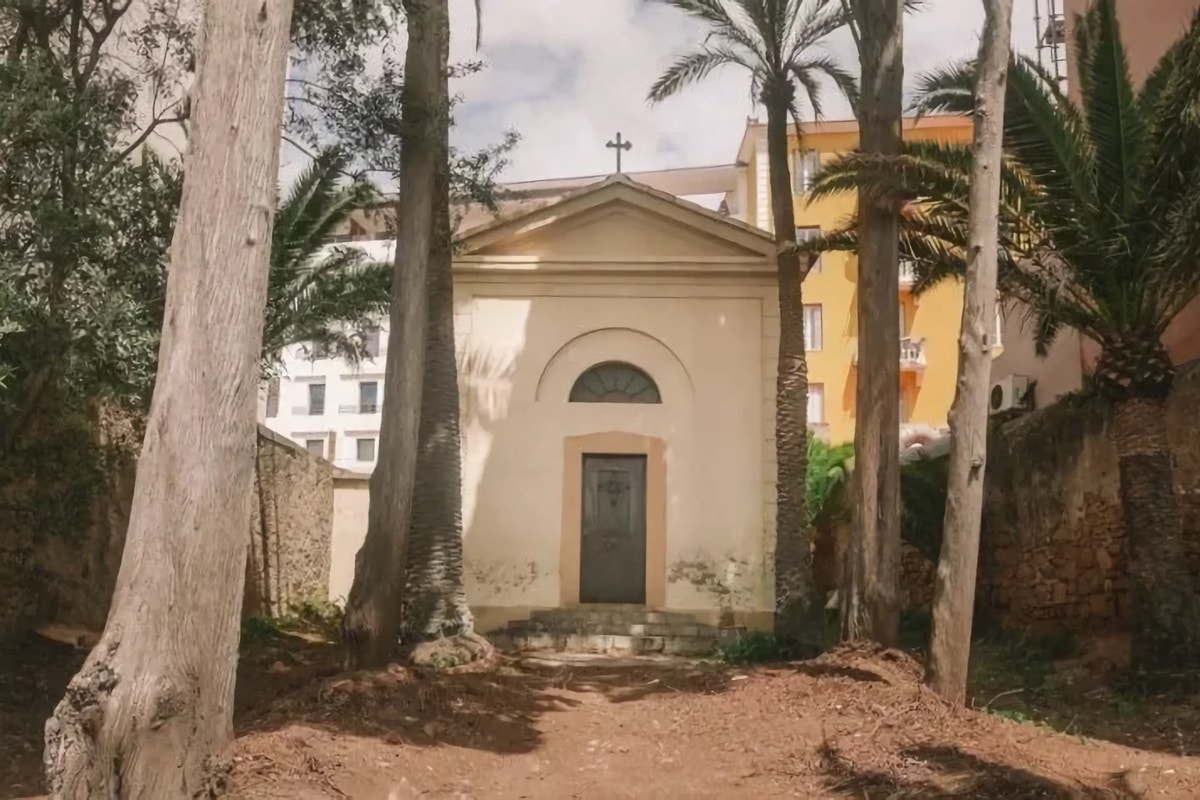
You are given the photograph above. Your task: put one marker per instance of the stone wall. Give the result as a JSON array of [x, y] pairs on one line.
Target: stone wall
[[289, 555], [1053, 553], [54, 575]]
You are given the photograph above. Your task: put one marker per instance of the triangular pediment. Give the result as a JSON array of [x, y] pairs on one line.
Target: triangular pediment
[[620, 220]]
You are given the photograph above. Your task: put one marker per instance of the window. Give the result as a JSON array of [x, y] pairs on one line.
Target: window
[[272, 410], [614, 382], [806, 164], [315, 446], [318, 350], [365, 449], [813, 334], [371, 341], [816, 403], [368, 397], [316, 399], [807, 234]]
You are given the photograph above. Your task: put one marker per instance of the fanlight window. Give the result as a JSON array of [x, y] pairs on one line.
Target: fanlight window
[[615, 382]]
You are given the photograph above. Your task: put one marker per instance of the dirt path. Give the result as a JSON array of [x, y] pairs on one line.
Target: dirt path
[[845, 726], [849, 725]]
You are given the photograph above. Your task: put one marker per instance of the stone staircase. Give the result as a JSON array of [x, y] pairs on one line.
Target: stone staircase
[[623, 630]]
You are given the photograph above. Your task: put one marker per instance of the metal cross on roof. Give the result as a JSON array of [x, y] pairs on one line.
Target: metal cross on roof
[[619, 145]]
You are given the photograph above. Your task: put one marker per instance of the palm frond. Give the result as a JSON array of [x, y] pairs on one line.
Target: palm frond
[[947, 90], [317, 292], [1115, 123], [808, 67], [723, 22], [692, 68]]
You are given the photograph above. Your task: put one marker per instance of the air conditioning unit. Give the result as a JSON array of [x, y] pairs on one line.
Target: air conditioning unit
[[1010, 393]]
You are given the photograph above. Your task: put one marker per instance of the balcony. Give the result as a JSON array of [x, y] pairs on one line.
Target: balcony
[[359, 408], [908, 275], [308, 411], [912, 355]]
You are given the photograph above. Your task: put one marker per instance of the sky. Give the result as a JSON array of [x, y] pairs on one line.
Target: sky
[[568, 74]]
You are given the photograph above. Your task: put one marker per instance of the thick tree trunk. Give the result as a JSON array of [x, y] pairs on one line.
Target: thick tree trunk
[[954, 589], [372, 624], [796, 608], [870, 607], [150, 713], [435, 599], [1166, 614]]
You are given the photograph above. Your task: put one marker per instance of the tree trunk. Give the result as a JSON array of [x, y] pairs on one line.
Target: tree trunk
[[435, 598], [954, 589], [371, 628], [150, 713], [795, 607], [1165, 608], [870, 598]]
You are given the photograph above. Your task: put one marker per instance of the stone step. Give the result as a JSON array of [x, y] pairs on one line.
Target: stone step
[[619, 616], [605, 643], [603, 627]]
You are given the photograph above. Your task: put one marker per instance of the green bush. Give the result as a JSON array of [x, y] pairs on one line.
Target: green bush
[[828, 469], [923, 504], [759, 647]]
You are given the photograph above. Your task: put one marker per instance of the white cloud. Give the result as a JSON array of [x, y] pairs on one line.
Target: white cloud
[[569, 74]]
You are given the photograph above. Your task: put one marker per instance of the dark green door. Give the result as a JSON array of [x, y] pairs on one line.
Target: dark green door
[[612, 552]]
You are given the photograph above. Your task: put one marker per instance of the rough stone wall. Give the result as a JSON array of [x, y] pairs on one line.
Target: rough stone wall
[[51, 577], [289, 555], [1053, 552], [63, 519]]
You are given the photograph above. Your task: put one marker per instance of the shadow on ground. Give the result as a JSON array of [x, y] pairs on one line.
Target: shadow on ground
[[494, 711], [954, 774]]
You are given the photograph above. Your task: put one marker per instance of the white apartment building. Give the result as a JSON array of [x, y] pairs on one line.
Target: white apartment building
[[329, 405]]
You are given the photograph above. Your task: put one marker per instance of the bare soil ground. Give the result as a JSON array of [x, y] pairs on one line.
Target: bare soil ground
[[851, 724]]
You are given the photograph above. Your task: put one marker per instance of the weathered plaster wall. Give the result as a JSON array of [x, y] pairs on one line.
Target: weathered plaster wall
[[1054, 549], [703, 341], [351, 499]]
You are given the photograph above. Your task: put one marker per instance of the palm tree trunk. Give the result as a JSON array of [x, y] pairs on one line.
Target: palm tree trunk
[[150, 713], [371, 628], [796, 608], [435, 599], [870, 598], [1165, 608], [954, 589]]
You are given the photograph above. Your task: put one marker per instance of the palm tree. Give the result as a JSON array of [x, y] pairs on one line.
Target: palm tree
[[868, 598], [329, 296], [373, 620], [1100, 232], [776, 42], [435, 598]]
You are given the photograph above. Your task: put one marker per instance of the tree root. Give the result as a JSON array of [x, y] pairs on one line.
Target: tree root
[[465, 652]]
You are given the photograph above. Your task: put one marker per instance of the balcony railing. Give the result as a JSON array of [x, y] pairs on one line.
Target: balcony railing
[[912, 354], [308, 411], [908, 274], [359, 408]]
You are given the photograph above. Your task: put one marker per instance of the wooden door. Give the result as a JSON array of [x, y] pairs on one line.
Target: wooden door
[[612, 552]]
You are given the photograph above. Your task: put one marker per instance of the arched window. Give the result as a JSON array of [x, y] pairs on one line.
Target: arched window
[[615, 382]]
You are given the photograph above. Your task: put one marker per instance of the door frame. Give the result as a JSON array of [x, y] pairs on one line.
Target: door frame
[[615, 443]]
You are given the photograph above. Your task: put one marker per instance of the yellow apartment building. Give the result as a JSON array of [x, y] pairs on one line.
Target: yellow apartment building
[[929, 324]]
